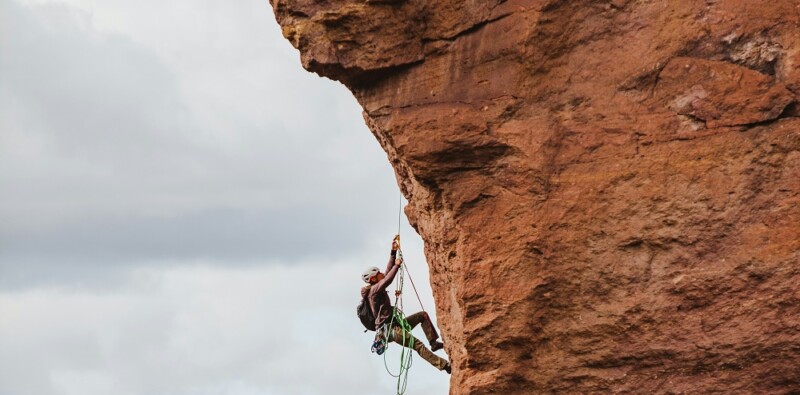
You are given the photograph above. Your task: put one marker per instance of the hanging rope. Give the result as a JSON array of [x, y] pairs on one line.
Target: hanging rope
[[399, 212], [414, 287], [399, 319]]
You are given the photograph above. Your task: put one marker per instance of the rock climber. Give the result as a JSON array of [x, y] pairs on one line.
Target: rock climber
[[382, 309]]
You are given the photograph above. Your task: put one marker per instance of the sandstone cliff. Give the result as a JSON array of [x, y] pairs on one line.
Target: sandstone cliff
[[609, 191]]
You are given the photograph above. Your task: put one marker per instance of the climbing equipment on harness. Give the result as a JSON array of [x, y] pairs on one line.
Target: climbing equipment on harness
[[378, 345]]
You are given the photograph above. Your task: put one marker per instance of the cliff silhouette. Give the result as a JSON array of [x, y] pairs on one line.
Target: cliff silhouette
[[608, 191]]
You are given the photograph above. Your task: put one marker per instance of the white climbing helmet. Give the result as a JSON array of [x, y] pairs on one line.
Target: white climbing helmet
[[371, 271]]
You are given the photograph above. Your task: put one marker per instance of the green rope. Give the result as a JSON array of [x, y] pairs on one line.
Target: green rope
[[405, 352], [399, 319]]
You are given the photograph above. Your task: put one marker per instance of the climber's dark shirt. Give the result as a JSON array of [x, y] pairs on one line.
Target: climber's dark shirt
[[378, 297]]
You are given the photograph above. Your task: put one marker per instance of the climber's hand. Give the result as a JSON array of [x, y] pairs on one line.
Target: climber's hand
[[396, 243]]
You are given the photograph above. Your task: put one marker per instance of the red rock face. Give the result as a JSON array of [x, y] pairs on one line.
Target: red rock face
[[609, 191]]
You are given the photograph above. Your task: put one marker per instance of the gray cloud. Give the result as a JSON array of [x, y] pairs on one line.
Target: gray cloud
[[199, 330], [107, 158], [183, 209], [88, 251]]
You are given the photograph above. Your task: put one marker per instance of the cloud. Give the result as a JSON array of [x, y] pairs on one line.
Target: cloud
[[206, 329], [116, 149], [183, 209]]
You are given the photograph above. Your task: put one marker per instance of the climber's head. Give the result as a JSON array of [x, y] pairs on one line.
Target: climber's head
[[372, 275]]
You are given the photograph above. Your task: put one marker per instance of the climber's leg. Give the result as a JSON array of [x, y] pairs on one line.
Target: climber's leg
[[405, 338], [427, 327]]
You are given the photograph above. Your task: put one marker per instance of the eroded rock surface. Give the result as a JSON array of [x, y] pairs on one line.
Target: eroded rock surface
[[609, 191]]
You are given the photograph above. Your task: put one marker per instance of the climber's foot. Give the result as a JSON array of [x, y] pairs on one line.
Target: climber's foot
[[436, 346]]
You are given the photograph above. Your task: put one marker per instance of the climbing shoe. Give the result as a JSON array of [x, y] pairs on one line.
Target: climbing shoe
[[447, 368], [436, 346]]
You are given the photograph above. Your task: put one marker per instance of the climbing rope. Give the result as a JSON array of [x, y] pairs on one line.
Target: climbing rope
[[400, 282], [399, 212], [399, 319], [414, 287]]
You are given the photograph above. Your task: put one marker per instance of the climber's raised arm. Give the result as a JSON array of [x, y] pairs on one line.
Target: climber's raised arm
[[391, 269], [393, 256]]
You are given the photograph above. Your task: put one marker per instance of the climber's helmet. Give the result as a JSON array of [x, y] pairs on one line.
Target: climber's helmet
[[369, 273]]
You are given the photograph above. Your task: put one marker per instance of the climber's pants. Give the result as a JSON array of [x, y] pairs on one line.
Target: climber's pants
[[405, 339]]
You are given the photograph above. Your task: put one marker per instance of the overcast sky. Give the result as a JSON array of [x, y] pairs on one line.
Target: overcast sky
[[184, 209]]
